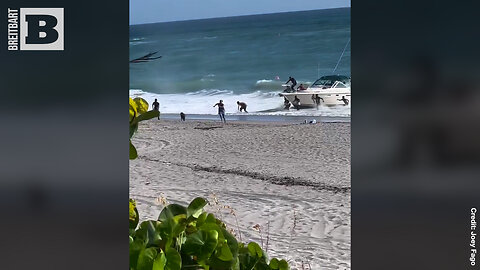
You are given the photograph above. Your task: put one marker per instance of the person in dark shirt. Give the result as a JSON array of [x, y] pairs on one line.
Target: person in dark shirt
[[344, 100], [242, 106], [294, 82], [286, 103], [296, 103], [182, 116], [316, 99], [156, 107], [221, 110]]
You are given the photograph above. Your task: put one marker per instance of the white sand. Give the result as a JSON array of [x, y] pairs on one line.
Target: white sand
[[293, 180]]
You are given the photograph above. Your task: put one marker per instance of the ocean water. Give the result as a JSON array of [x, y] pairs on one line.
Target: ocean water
[[239, 58]]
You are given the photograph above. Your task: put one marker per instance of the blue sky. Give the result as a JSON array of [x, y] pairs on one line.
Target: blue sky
[[149, 11]]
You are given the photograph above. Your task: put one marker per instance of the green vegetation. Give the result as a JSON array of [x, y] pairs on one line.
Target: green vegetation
[[186, 237], [190, 238], [138, 112]]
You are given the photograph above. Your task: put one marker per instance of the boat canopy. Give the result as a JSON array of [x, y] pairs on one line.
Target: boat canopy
[[329, 80]]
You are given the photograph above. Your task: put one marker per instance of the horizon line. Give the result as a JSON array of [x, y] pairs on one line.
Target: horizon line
[[256, 14]]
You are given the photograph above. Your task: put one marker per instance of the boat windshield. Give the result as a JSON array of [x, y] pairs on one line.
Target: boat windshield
[[330, 80]]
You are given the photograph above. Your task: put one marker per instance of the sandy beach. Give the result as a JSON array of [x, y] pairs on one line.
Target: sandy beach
[[293, 180]]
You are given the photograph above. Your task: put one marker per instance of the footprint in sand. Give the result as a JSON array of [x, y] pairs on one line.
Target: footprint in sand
[[153, 147], [318, 228]]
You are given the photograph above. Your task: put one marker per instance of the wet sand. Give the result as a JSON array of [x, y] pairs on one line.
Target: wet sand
[[293, 180]]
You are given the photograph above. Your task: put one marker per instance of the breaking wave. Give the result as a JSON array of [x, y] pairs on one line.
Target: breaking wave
[[258, 103]]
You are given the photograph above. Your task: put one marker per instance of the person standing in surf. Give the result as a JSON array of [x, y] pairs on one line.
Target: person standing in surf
[[221, 110], [242, 106], [316, 99], [296, 103], [286, 103], [156, 107], [345, 101], [294, 82]]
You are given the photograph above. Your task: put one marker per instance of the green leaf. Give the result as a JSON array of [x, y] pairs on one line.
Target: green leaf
[[146, 258], [141, 234], [195, 208], [160, 261], [283, 265], [141, 105], [133, 152], [171, 228], [215, 227], [236, 264], [231, 242], [255, 249], [273, 264], [146, 116], [211, 219], [134, 250], [201, 244], [170, 211], [152, 229], [225, 253], [201, 219], [133, 129], [132, 214], [132, 109], [174, 261]]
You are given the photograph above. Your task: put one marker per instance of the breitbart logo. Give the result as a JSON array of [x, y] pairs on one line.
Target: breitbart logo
[[35, 29]]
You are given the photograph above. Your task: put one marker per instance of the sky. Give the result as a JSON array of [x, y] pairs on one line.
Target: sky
[[151, 11]]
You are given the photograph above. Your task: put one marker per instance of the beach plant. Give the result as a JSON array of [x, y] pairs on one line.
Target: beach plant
[[191, 238], [138, 112], [186, 237]]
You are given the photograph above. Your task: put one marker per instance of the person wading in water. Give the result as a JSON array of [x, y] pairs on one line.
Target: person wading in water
[[345, 101], [242, 106], [296, 103]]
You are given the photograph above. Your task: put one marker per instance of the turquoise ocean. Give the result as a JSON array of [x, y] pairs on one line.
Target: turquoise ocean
[[245, 58]]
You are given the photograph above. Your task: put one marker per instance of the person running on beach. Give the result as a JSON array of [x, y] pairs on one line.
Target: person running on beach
[[286, 103], [156, 107], [296, 103], [242, 106], [344, 100], [182, 116], [221, 110], [294, 82]]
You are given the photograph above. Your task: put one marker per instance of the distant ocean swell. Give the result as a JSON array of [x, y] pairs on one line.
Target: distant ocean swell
[[210, 81], [259, 103], [245, 58]]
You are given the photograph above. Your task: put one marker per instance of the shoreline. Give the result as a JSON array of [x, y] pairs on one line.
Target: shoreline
[[257, 118]]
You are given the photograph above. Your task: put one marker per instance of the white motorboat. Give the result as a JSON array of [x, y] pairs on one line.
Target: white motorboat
[[331, 90]]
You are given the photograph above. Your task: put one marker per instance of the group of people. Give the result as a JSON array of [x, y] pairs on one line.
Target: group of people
[[296, 102], [156, 107], [301, 87], [242, 106]]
